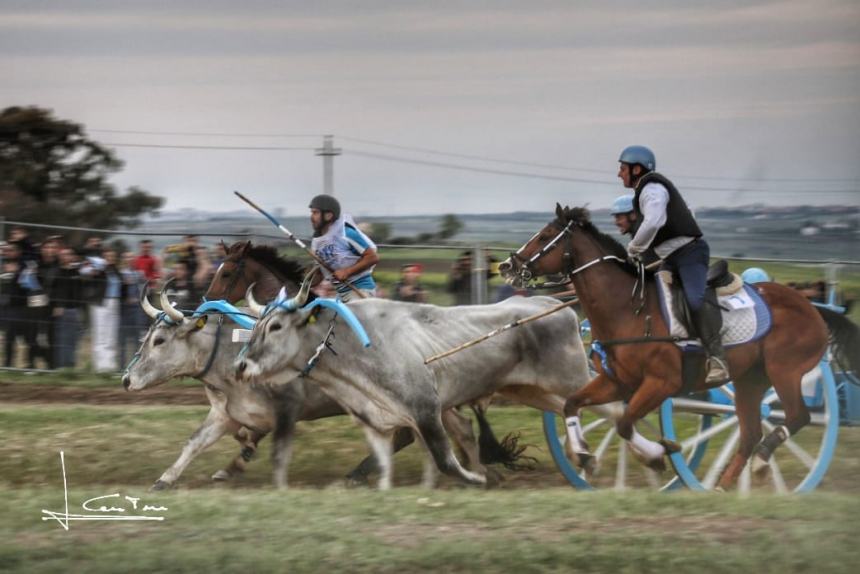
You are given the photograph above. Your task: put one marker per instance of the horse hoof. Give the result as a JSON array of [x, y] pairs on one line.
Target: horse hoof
[[159, 485], [587, 462], [221, 476], [759, 467], [671, 446], [657, 465]]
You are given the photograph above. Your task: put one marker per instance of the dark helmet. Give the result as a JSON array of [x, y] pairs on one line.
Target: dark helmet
[[326, 203]]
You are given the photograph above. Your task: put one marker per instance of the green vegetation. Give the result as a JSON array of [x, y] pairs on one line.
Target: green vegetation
[[532, 523]]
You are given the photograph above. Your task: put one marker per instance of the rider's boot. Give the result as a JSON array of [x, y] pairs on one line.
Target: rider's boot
[[708, 321]]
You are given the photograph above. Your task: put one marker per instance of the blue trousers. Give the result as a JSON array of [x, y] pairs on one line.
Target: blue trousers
[[690, 264]]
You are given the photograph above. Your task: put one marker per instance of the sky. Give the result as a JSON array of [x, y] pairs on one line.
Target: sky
[[451, 107]]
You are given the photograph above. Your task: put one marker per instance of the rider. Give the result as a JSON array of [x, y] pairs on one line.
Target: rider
[[625, 216], [665, 225], [343, 247]]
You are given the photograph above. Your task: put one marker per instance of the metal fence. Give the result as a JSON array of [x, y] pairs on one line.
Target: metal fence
[[58, 331]]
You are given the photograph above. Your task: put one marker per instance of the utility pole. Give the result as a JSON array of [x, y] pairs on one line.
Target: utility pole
[[328, 151]]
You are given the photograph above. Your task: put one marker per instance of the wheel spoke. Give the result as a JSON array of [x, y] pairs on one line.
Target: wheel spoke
[[745, 480], [778, 480], [701, 407], [604, 444], [593, 425], [621, 468], [706, 434], [727, 391], [722, 458]]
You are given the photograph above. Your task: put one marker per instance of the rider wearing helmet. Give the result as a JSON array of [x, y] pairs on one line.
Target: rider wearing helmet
[[343, 247], [755, 275], [666, 227], [625, 216]]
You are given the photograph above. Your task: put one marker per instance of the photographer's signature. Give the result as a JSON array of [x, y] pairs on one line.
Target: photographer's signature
[[107, 507]]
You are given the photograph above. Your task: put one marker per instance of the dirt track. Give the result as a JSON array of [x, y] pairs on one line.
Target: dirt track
[[38, 393]]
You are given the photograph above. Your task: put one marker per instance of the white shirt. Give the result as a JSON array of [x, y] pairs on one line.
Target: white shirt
[[652, 203]]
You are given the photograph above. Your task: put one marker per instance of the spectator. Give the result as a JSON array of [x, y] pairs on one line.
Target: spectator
[[409, 287], [205, 270], [181, 291], [460, 279], [93, 247], [105, 296], [147, 263], [67, 299], [132, 321], [185, 252], [15, 284], [49, 269], [21, 238]]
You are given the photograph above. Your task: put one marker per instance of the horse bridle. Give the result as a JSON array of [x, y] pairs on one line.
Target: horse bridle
[[526, 272]]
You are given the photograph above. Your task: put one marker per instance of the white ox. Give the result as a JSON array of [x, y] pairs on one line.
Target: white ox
[[387, 386]]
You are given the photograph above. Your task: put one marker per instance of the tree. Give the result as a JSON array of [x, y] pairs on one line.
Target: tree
[[449, 226], [50, 172]]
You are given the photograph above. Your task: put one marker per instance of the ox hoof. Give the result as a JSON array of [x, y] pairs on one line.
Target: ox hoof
[[494, 478], [159, 485], [221, 476], [356, 481]]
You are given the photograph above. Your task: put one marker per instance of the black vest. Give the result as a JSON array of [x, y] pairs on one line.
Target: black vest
[[679, 221]]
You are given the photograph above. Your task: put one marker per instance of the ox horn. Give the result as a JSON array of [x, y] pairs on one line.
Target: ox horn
[[255, 307], [174, 314], [148, 307], [302, 296]]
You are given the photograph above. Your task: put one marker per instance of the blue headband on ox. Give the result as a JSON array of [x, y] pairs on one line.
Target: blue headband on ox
[[333, 304], [236, 315]]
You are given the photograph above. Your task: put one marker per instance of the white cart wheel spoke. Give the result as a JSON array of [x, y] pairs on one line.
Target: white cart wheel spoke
[[795, 449], [708, 433], [722, 459]]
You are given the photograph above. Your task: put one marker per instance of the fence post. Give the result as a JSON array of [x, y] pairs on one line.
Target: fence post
[[479, 275], [832, 270]]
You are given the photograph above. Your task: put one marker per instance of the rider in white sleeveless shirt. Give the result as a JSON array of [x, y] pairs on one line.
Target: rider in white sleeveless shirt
[[343, 247]]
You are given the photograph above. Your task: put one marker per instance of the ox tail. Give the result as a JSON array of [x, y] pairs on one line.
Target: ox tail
[[509, 452], [844, 338]]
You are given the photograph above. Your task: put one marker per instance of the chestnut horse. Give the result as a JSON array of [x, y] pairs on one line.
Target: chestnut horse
[[644, 363], [259, 265]]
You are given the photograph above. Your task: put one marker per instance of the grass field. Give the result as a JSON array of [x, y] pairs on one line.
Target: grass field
[[531, 523]]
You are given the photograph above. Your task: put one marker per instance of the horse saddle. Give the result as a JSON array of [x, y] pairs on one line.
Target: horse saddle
[[746, 317]]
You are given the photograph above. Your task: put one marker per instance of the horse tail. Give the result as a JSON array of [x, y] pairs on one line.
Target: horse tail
[[508, 452], [844, 338]]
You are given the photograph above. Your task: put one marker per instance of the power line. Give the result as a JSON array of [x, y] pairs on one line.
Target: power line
[[206, 134], [213, 147], [531, 175], [461, 155]]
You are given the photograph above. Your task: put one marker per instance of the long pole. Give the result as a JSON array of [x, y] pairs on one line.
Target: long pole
[[298, 242], [500, 330]]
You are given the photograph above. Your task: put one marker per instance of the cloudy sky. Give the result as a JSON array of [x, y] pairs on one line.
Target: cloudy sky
[[451, 106]]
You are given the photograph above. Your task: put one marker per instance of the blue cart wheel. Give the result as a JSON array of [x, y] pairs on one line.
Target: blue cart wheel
[[798, 465], [616, 467]]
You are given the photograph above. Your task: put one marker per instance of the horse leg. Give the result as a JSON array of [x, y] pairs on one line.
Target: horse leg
[[249, 440], [786, 381], [650, 395], [749, 391], [599, 391]]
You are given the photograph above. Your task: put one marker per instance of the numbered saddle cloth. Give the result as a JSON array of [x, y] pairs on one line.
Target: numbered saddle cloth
[[746, 316]]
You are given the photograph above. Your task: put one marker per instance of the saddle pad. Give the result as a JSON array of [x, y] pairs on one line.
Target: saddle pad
[[746, 317]]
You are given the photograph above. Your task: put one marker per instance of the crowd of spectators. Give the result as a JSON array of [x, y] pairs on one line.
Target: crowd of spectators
[[55, 295]]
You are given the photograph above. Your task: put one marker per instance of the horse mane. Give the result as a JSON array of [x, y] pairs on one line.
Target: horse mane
[[288, 269], [582, 217]]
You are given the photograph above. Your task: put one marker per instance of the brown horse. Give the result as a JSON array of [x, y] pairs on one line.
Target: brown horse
[[646, 365], [259, 265]]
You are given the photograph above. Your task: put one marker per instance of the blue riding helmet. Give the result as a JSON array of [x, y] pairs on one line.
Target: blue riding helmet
[[622, 204], [755, 275], [639, 154]]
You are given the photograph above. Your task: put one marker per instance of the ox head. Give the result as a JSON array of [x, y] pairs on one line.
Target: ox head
[[174, 346], [277, 336]]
